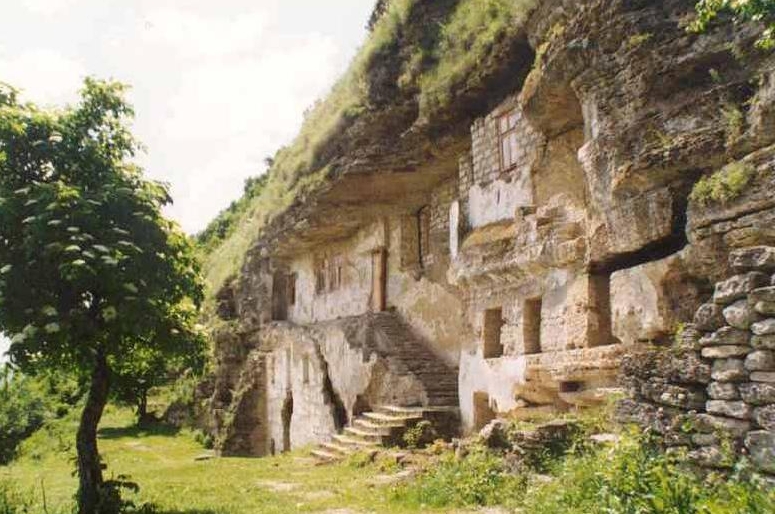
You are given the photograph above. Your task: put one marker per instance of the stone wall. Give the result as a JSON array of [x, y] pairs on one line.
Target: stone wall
[[495, 194], [713, 393]]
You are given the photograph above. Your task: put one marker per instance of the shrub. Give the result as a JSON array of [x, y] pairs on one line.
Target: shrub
[[11, 501], [724, 185], [636, 477], [205, 439], [480, 478], [420, 435], [26, 403], [735, 122], [636, 40], [745, 10]]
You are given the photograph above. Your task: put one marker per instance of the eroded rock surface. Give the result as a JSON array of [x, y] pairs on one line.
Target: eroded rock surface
[[526, 241]]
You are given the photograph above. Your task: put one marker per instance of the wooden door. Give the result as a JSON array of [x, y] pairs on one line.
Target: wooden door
[[379, 280]]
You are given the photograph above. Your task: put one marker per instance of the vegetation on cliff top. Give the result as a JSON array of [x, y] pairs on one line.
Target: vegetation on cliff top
[[433, 70]]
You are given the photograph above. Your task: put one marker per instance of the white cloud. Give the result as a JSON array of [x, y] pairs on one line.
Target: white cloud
[[45, 7], [217, 86], [226, 115], [193, 35], [44, 75]]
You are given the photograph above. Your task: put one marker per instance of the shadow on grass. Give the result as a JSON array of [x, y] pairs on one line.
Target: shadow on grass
[[145, 430], [187, 511]]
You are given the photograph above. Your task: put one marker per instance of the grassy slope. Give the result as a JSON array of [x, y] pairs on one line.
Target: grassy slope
[[162, 462]]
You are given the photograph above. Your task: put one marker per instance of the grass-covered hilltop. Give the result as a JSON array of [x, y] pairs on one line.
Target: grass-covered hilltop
[[520, 259]]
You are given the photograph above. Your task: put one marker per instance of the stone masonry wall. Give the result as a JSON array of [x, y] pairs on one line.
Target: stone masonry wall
[[713, 394], [495, 194]]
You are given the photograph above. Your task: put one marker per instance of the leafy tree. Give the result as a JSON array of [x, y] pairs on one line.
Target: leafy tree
[[742, 10], [149, 368], [91, 273], [26, 402]]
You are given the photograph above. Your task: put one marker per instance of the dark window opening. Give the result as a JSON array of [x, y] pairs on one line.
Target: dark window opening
[[291, 287], [320, 275], [483, 413], [329, 274], [571, 387], [491, 333], [287, 415], [507, 131], [601, 330], [531, 325], [305, 369], [423, 235], [279, 296]]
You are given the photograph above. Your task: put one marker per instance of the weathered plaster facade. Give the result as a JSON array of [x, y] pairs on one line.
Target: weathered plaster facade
[[509, 273]]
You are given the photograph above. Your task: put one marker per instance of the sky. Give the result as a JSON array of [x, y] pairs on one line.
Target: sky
[[217, 86]]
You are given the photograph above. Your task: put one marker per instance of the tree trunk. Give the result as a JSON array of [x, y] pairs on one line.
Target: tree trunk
[[89, 467], [142, 408]]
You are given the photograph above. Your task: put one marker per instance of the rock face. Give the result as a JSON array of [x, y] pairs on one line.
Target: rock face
[[508, 268], [740, 399]]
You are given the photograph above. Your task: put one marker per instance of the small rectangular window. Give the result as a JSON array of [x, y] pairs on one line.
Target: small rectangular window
[[507, 128], [531, 325], [320, 276], [424, 236], [305, 369], [491, 333], [291, 285]]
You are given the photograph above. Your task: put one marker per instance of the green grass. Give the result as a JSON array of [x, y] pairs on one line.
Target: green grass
[[162, 462], [467, 39], [631, 476]]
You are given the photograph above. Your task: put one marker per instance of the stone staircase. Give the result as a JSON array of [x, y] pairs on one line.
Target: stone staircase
[[409, 355], [384, 427]]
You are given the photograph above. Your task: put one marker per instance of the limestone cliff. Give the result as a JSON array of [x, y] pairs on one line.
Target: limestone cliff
[[565, 190]]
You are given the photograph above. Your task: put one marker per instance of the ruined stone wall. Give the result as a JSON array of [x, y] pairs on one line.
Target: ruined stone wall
[[713, 393]]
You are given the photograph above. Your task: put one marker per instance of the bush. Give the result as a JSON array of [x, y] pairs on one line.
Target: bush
[[26, 403], [746, 10], [480, 478], [724, 185], [636, 477], [420, 435]]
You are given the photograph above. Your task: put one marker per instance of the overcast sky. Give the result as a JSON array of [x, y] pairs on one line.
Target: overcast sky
[[217, 85]]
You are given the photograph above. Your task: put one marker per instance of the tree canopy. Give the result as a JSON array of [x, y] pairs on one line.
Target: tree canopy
[[92, 276]]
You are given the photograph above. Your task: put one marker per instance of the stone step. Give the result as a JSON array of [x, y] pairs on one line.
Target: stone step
[[364, 434], [325, 456], [395, 409], [377, 428], [392, 419], [353, 442], [336, 448]]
